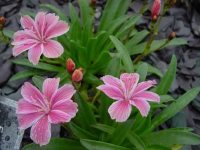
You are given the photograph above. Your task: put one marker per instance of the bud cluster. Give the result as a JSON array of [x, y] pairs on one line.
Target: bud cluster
[[77, 74]]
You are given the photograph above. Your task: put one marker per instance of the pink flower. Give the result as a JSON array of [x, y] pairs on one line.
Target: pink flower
[[128, 92], [37, 35], [39, 110], [155, 10]]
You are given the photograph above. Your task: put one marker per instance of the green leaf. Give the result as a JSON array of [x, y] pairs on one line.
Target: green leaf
[[166, 98], [80, 132], [175, 107], [137, 38], [133, 138], [8, 33], [73, 14], [85, 115], [22, 75], [38, 81], [136, 141], [91, 79], [40, 65], [115, 24], [142, 69], [101, 62], [165, 43], [113, 68], [56, 144], [156, 45], [177, 42], [128, 26], [97, 145], [55, 10], [153, 70], [85, 11], [104, 128], [170, 137], [113, 10], [123, 52], [121, 132], [168, 78], [158, 147]]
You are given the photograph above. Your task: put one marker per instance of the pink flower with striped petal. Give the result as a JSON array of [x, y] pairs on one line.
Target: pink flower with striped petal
[[128, 92], [37, 35], [39, 110]]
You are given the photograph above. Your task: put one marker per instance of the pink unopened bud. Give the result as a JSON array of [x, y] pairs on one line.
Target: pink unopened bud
[[77, 75], [2, 22], [70, 65], [155, 10]]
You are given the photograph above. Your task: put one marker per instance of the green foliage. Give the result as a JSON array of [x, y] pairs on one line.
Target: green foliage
[[56, 144], [110, 49], [175, 107], [168, 78], [97, 145]]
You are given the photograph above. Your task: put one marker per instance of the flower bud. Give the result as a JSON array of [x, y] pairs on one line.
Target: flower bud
[[70, 65], [2, 22], [77, 75], [93, 3], [172, 35], [172, 2], [155, 10]]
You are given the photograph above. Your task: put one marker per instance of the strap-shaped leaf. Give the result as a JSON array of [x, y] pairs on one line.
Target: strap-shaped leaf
[[142, 69], [85, 116], [168, 78], [120, 133], [113, 10], [170, 137], [22, 75], [40, 65], [97, 145], [124, 55], [56, 144], [38, 81], [175, 107], [80, 132]]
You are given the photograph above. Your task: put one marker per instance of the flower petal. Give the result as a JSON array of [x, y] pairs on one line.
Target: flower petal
[[142, 105], [51, 21], [18, 49], [57, 116], [34, 54], [59, 29], [148, 96], [120, 111], [65, 92], [112, 92], [24, 107], [130, 81], [23, 37], [41, 131], [40, 21], [50, 86], [110, 80], [31, 94], [27, 120], [27, 22], [144, 86], [67, 106], [52, 49]]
